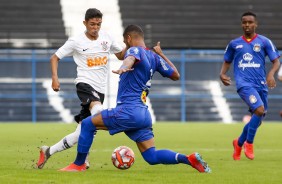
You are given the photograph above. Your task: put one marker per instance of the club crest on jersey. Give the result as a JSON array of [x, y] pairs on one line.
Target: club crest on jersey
[[104, 45], [135, 51], [252, 99], [257, 47]]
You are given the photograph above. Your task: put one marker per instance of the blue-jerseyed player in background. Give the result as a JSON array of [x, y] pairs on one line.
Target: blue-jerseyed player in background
[[131, 114], [248, 54]]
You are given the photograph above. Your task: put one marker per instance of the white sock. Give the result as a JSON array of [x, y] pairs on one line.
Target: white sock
[[67, 142]]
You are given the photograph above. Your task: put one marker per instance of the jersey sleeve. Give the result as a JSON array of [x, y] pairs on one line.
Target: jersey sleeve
[[115, 46], [229, 53], [133, 51], [163, 67], [67, 49], [280, 72], [271, 50]]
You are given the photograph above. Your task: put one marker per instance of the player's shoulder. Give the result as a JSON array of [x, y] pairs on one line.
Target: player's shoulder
[[105, 35], [238, 39], [262, 37], [133, 50]]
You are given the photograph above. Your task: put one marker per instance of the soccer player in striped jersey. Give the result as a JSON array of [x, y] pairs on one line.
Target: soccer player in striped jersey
[[131, 114], [91, 51], [248, 54]]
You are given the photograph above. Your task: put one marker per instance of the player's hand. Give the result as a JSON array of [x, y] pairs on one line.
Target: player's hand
[[157, 49], [122, 70], [56, 85], [270, 81], [225, 79]]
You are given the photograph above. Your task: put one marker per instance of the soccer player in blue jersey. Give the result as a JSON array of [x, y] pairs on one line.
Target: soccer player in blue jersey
[[248, 54], [131, 114]]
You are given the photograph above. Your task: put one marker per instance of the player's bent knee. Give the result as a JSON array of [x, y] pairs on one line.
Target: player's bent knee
[[260, 111], [150, 156]]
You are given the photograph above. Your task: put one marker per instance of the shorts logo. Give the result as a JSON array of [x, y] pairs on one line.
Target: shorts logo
[[95, 94], [256, 47], [252, 99]]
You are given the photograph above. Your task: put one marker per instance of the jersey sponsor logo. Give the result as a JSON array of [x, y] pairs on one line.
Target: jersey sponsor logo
[[104, 45], [97, 61], [239, 47], [85, 49], [252, 99], [247, 58], [257, 47]]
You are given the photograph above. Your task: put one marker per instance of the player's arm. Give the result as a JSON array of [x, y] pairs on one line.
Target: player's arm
[[54, 60], [279, 74], [225, 79], [175, 75], [270, 80], [120, 55], [126, 66]]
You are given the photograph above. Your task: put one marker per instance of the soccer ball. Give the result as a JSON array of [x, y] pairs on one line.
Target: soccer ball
[[123, 157]]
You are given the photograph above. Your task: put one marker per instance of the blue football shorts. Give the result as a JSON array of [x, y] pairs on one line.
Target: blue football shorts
[[254, 98], [134, 121]]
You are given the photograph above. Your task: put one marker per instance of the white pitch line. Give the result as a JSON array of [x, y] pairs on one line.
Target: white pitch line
[[93, 150]]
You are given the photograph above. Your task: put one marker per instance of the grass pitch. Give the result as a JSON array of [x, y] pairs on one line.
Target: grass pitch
[[19, 153]]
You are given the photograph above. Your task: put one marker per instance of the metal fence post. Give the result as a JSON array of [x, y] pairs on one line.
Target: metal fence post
[[183, 87], [33, 85]]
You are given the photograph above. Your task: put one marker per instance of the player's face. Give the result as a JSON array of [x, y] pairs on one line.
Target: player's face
[[249, 25], [93, 27], [127, 40]]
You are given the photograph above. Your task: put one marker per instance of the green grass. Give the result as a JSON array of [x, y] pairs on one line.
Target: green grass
[[19, 153]]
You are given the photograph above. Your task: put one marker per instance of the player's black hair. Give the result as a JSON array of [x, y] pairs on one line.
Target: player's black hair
[[93, 13], [249, 13], [133, 29]]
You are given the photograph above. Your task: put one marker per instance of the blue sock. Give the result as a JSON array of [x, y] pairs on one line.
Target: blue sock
[[254, 124], [183, 159], [153, 156], [85, 140], [243, 136], [80, 158]]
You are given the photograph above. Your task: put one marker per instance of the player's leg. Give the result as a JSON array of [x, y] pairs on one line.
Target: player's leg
[[256, 102], [91, 104], [239, 142], [165, 156], [88, 127], [141, 133], [65, 143], [115, 120]]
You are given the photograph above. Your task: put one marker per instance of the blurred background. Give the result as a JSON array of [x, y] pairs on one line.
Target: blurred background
[[193, 34]]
